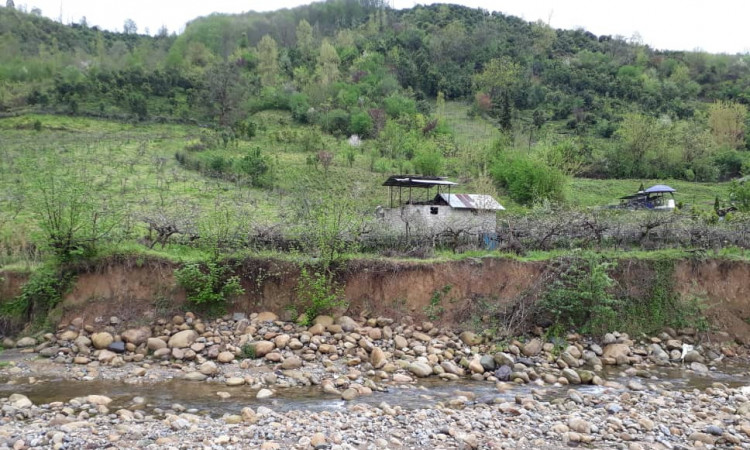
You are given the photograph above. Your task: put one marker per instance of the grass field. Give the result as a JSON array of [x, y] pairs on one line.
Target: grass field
[[131, 169]]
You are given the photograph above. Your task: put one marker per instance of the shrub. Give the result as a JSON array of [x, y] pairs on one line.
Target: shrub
[[581, 298], [318, 293], [429, 162], [361, 124], [258, 168], [335, 122], [528, 180], [397, 105], [299, 105], [210, 288]]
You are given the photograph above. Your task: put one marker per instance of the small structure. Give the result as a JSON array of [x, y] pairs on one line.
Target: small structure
[[655, 198], [421, 205]]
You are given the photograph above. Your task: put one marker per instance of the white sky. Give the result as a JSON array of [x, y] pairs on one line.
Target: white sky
[[716, 26]]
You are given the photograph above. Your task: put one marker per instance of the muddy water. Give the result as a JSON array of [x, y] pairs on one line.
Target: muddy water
[[202, 398]]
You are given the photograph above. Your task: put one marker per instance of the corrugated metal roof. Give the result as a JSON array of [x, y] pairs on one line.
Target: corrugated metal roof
[[472, 201], [417, 181]]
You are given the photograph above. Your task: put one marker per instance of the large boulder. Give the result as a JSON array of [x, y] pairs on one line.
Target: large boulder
[[470, 338], [26, 342], [347, 323], [377, 358], [267, 316], [420, 369], [182, 339], [262, 348], [101, 340], [136, 336], [618, 352], [533, 347]]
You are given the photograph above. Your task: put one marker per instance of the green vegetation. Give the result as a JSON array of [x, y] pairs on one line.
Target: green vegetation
[[586, 298], [210, 288], [235, 138], [248, 351], [317, 293]]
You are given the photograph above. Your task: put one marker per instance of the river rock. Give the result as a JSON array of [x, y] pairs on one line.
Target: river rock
[[452, 368], [572, 376], [316, 329], [154, 344], [318, 440], [487, 362], [281, 341], [347, 323], [291, 363], [118, 347], [400, 342], [698, 367], [67, 335], [533, 347], [101, 340], [267, 316], [470, 338], [26, 342], [208, 368], [235, 381], [194, 376], [248, 415], [401, 378], [20, 401], [225, 357], [136, 336], [182, 339], [503, 359], [420, 369], [503, 373], [262, 348], [475, 366], [264, 393], [693, 356], [323, 320], [579, 425], [349, 394], [617, 352], [106, 356], [377, 358]]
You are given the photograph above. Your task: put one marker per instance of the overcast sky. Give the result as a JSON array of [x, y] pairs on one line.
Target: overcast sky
[[717, 26]]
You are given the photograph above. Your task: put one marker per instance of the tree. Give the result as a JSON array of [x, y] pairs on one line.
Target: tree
[[72, 219], [305, 43], [225, 93], [268, 61], [10, 4], [328, 63], [129, 27], [727, 123], [637, 135]]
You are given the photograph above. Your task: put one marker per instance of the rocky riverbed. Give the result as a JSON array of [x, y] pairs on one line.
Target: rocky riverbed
[[381, 384]]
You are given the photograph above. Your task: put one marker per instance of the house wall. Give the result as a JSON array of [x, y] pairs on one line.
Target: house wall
[[418, 219]]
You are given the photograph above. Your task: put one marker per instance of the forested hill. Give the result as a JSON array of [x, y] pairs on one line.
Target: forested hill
[[350, 66]]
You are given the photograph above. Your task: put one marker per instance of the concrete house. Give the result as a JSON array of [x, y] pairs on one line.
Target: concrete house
[[425, 206]]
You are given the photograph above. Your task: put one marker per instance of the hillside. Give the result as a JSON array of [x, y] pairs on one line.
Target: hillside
[[235, 135]]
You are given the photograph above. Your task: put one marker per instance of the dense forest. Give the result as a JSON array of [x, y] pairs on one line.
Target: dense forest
[[583, 105]]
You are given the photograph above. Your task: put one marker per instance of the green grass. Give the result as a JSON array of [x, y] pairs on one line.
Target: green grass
[[586, 192]]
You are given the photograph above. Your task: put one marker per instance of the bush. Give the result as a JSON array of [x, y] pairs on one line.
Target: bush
[[210, 289], [397, 105], [528, 180], [318, 293], [580, 297], [258, 168], [361, 124], [299, 105], [429, 162], [335, 122]]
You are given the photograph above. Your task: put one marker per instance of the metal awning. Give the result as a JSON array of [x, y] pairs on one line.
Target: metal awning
[[479, 202], [417, 181], [659, 188]]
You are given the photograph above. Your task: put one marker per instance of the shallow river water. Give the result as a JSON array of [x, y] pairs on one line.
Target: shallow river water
[[202, 398]]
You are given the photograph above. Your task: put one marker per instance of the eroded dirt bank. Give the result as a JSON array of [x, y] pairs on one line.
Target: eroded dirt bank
[[450, 291]]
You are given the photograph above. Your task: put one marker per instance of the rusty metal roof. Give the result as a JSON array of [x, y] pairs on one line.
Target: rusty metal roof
[[472, 201]]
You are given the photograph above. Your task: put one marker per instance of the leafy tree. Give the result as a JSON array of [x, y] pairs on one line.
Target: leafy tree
[[258, 167], [328, 63], [72, 220], [129, 27], [528, 180], [225, 93], [727, 123], [268, 61]]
